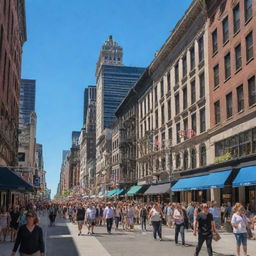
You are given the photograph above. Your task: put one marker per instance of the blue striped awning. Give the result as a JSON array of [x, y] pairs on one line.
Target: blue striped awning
[[192, 183], [245, 177], [217, 179]]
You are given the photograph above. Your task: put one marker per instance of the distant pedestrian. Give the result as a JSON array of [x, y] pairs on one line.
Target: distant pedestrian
[[143, 217], [80, 217], [30, 237], [179, 221], [91, 219], [156, 216], [109, 216], [4, 222], [205, 225]]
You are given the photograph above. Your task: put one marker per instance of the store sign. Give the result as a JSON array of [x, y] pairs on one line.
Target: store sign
[[36, 181]]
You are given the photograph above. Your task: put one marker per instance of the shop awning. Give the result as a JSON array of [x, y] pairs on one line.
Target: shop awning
[[133, 190], [245, 177], [111, 192], [158, 189], [9, 180], [216, 179], [192, 183], [119, 192]]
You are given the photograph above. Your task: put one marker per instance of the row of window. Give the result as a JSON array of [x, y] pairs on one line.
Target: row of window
[[236, 24], [237, 58], [239, 98], [193, 158]]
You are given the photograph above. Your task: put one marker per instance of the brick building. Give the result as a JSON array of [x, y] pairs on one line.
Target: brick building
[[12, 38]]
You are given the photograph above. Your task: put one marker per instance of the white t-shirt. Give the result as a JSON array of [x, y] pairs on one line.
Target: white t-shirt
[[155, 216], [241, 221]]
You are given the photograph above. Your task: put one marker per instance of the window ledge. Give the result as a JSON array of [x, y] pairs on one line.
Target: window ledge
[[215, 53], [246, 22], [253, 105], [241, 111], [229, 118], [236, 33], [248, 61], [216, 87], [238, 70], [225, 43], [227, 79]]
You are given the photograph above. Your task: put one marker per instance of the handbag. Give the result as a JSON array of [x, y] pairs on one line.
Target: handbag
[[216, 236]]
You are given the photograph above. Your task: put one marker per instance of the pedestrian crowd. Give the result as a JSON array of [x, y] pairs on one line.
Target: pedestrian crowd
[[206, 220]]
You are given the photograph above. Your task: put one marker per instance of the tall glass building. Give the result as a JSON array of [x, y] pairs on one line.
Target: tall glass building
[[27, 100], [114, 80]]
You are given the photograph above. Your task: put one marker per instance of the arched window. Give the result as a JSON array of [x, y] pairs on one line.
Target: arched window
[[185, 160], [193, 158], [177, 160], [202, 155]]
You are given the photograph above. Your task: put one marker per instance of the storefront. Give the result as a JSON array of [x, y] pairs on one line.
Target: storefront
[[158, 193], [12, 188], [137, 192], [213, 186], [245, 181]]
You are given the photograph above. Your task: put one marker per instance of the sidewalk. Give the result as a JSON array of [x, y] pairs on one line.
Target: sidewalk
[[226, 246]]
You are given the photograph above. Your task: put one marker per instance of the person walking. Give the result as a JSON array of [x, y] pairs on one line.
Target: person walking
[[30, 237], [178, 217], [4, 223], [91, 218], [205, 225], [109, 215], [80, 216], [14, 224], [216, 213], [239, 223], [118, 211], [143, 218], [156, 216]]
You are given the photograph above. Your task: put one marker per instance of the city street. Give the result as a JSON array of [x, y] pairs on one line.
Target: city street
[[62, 240]]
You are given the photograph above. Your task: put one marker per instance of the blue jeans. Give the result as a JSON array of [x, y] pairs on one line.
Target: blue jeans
[[157, 229], [241, 238], [179, 228]]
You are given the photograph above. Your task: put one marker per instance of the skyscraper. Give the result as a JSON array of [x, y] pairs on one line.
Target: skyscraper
[[27, 100], [85, 104], [113, 83]]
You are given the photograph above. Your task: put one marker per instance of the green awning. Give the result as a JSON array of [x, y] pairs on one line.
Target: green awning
[[133, 190], [119, 192], [111, 192]]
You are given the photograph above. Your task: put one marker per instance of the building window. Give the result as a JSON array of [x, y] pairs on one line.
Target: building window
[[236, 19], [156, 98], [193, 122], [229, 105], [202, 85], [162, 114], [178, 132], [178, 160], [216, 75], [169, 81], [162, 87], [201, 48], [192, 58], [148, 102], [193, 158], [217, 112], [225, 30], [249, 47], [185, 98], [176, 71], [202, 120], [227, 66], [170, 135], [169, 110], [185, 128], [252, 91], [240, 98], [247, 10], [185, 160], [214, 41], [177, 104], [193, 92], [163, 140], [238, 57], [156, 120], [184, 65], [203, 155]]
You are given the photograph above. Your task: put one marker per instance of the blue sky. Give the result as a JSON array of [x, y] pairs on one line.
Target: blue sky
[[64, 40]]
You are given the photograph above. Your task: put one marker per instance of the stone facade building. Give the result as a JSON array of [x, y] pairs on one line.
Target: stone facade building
[[12, 38]]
